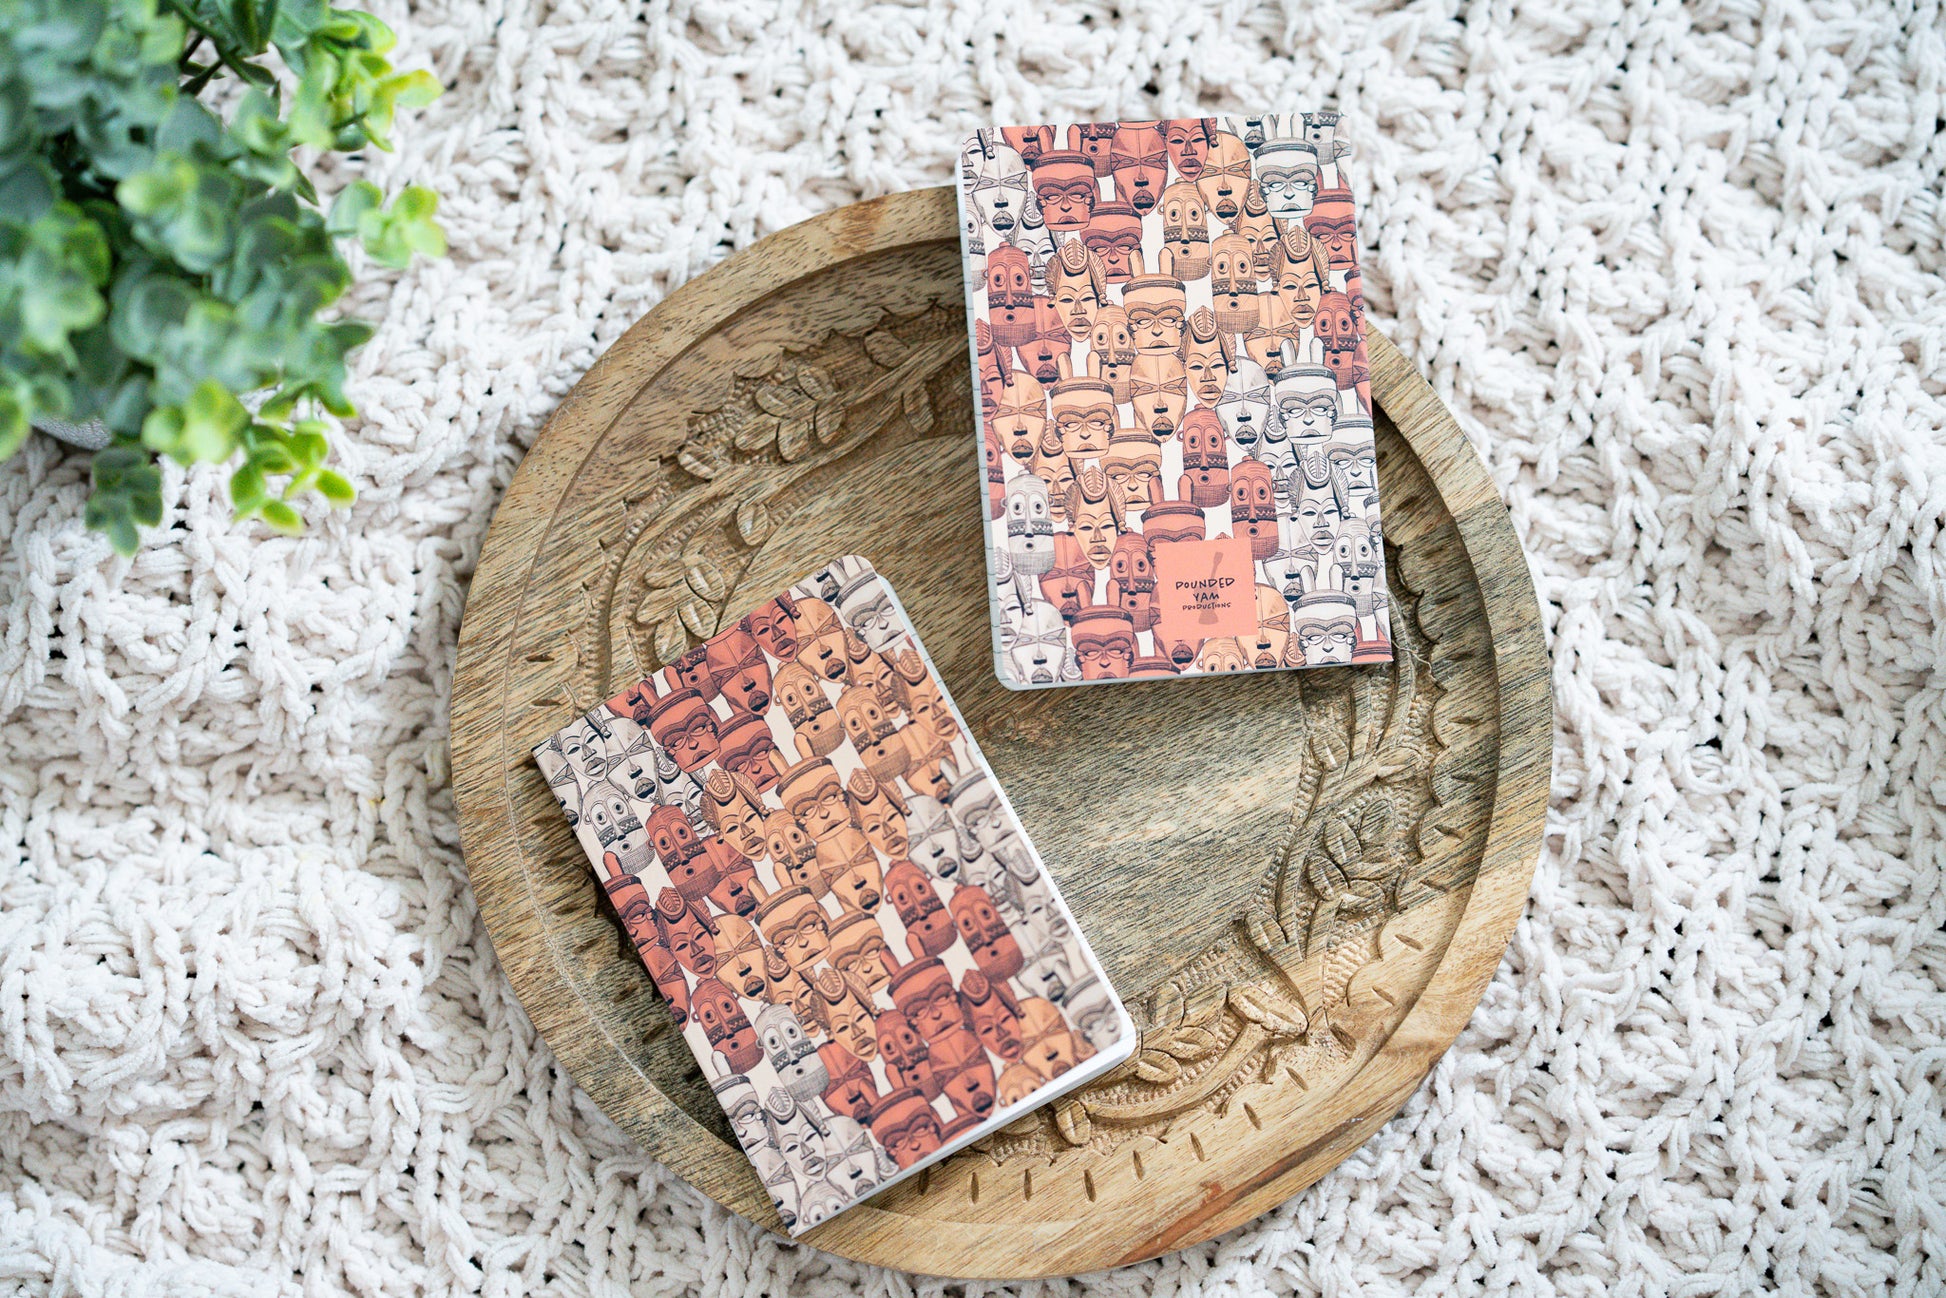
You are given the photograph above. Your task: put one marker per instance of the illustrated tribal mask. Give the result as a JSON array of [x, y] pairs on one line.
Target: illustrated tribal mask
[[796, 927], [686, 932], [1301, 269], [1084, 418], [1010, 298], [1057, 472], [1030, 529], [1133, 465], [997, 181], [1036, 641], [1157, 311], [1066, 190], [1140, 164], [1253, 507], [715, 1007], [1095, 141], [1158, 390], [1304, 405], [1287, 175], [1205, 463], [1331, 222], [1233, 284], [928, 929], [1340, 337], [880, 812], [1030, 142], [844, 1016], [808, 709], [1245, 407], [1104, 643], [1113, 351], [1321, 131], [1185, 230], [1114, 234], [1357, 468], [1020, 415], [739, 670], [1225, 177], [1078, 285], [1206, 357], [684, 725], [1259, 231], [1131, 580], [1327, 627], [774, 625], [1069, 586], [1033, 237], [1188, 139], [1044, 354], [904, 1122]]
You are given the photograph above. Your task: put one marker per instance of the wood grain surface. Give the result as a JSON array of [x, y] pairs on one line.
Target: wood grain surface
[[1299, 881]]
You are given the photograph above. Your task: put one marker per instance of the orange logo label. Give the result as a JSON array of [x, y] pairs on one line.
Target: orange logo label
[[1205, 589]]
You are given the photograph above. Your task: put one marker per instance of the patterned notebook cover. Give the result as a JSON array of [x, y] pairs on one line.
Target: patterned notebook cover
[[1169, 351], [859, 943]]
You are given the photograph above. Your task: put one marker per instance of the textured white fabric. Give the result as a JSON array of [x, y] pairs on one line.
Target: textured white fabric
[[1678, 272]]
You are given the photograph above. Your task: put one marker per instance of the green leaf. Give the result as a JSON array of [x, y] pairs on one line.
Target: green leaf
[[354, 202], [127, 494], [164, 260], [16, 416], [281, 517], [205, 428], [307, 445], [247, 489], [334, 488], [159, 189]]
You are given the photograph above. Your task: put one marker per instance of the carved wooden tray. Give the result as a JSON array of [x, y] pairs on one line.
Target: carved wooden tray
[[1299, 932]]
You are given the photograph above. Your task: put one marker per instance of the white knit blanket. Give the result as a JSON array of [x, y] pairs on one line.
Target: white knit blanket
[[1679, 273]]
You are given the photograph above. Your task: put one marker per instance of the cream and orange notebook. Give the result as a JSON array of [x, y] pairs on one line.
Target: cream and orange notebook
[[1169, 352], [861, 946]]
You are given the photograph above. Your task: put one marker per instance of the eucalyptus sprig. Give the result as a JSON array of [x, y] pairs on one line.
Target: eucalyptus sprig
[[165, 266]]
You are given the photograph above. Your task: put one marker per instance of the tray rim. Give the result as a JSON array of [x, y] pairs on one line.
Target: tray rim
[[1522, 773]]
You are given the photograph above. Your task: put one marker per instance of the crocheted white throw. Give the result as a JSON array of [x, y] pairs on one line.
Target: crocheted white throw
[[1677, 269]]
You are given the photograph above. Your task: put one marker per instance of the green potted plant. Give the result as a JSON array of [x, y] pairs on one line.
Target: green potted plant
[[166, 268]]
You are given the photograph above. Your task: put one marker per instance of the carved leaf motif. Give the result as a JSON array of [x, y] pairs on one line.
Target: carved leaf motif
[[662, 575], [1157, 1068], [1185, 1044], [918, 410], [885, 348], [830, 422], [1073, 1122], [756, 433], [1274, 1015], [697, 462], [670, 640], [816, 384], [1168, 1005], [793, 439], [1341, 840], [753, 522], [779, 400], [699, 618], [705, 578]]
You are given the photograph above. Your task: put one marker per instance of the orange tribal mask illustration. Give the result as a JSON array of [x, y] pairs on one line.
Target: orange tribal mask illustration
[[1173, 347], [753, 811]]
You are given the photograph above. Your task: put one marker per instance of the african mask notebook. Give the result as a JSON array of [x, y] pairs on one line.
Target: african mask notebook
[[1169, 351], [857, 939]]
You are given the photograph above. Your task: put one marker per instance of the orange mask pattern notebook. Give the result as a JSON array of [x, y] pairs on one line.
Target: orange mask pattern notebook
[[1169, 352], [857, 939]]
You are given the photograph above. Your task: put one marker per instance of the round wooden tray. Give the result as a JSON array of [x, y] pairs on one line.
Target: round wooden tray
[[1300, 882]]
